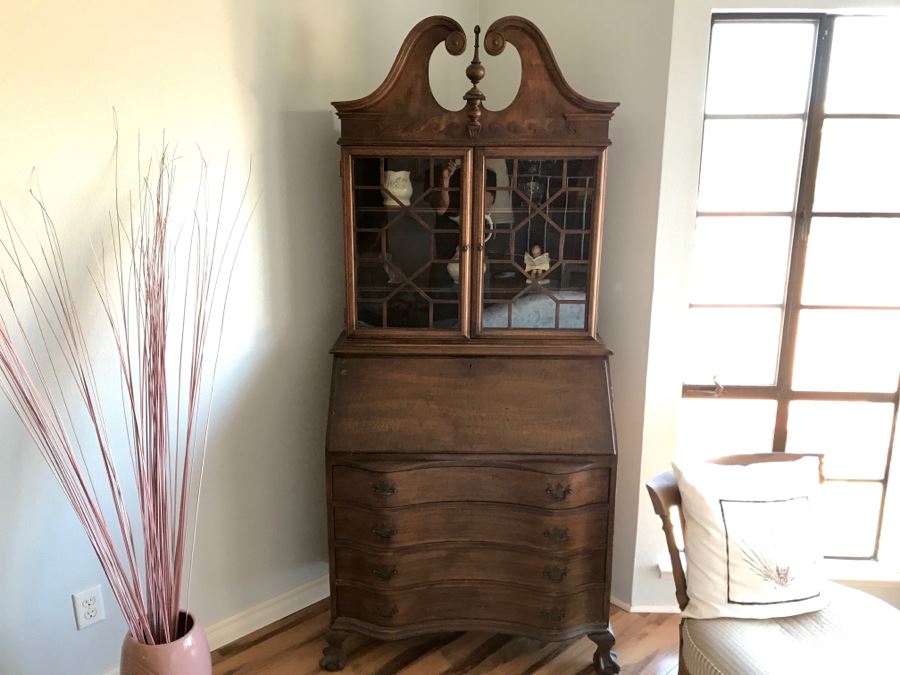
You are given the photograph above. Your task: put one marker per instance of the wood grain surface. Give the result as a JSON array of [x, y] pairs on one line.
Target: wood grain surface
[[647, 645], [478, 405], [473, 483]]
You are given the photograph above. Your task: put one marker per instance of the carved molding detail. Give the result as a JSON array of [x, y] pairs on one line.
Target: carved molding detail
[[474, 97], [403, 109]]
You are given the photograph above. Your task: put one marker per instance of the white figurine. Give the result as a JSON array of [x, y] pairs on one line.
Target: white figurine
[[537, 264], [453, 267], [395, 276]]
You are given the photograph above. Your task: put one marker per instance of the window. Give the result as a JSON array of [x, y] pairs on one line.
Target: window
[[794, 321]]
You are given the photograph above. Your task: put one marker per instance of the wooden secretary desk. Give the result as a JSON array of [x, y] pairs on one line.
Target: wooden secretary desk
[[471, 456]]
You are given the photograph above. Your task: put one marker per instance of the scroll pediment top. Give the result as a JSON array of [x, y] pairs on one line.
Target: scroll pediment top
[[538, 62], [547, 109], [410, 67]]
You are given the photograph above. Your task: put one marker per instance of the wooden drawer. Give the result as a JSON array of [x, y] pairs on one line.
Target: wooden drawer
[[457, 602], [545, 572], [473, 483], [562, 531]]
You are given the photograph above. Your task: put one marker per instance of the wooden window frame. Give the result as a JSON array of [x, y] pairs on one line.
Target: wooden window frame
[[781, 392]]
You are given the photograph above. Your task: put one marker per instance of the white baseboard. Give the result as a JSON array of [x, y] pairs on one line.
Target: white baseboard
[[644, 609], [271, 610], [256, 617]]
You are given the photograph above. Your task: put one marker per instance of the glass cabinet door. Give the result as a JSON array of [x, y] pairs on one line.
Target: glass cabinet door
[[540, 225], [409, 232]]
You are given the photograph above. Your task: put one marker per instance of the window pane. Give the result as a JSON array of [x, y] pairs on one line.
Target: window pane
[[741, 260], [847, 350], [853, 261], [853, 435], [403, 247], [537, 249], [757, 67], [850, 512], [858, 166], [737, 346], [862, 73], [713, 427], [749, 165]]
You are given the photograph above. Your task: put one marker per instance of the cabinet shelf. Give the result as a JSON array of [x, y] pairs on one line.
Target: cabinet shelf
[[395, 210]]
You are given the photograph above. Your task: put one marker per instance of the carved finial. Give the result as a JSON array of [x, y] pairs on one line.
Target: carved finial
[[475, 58], [474, 97]]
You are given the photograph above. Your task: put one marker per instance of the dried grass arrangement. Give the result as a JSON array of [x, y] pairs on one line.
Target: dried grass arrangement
[[163, 287]]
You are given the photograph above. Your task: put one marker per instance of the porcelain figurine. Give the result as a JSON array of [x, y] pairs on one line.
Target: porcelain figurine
[[397, 188], [453, 267], [395, 276], [537, 264]]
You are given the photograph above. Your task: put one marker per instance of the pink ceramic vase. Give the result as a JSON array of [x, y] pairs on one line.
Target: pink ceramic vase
[[188, 655]]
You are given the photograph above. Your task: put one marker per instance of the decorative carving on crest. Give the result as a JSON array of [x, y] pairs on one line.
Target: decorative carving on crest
[[546, 110], [474, 97]]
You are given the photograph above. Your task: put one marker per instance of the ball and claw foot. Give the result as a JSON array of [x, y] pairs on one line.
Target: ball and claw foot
[[333, 656], [605, 659]]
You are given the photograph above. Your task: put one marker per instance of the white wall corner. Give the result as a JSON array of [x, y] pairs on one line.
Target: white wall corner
[[261, 615]]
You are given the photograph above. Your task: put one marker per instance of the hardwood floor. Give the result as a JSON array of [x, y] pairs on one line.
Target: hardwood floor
[[647, 645]]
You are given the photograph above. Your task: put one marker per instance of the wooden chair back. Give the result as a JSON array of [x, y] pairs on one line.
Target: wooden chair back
[[664, 495]]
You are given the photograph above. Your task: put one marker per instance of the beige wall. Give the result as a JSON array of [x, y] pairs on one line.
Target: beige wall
[[255, 78]]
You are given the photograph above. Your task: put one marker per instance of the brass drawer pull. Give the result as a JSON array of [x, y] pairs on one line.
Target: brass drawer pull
[[557, 534], [555, 574], [385, 571], [388, 611], [553, 614], [558, 492], [384, 488], [385, 532]]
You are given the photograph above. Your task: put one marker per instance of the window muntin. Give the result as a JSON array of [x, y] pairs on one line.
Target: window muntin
[[799, 219]]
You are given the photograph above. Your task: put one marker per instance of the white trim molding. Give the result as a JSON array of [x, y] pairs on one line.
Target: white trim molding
[[645, 609], [271, 610], [261, 615]]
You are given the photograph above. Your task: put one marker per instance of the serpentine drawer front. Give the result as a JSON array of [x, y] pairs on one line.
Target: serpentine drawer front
[[422, 566], [380, 486], [521, 526], [485, 602]]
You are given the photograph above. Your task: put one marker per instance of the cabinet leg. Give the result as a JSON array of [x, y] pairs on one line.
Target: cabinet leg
[[605, 659], [333, 656]]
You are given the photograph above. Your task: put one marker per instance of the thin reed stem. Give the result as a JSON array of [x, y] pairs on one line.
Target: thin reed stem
[[51, 375]]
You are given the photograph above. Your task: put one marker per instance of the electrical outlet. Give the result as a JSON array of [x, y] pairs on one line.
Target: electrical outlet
[[88, 606]]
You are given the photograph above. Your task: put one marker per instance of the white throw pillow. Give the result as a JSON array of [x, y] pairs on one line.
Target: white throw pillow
[[752, 538]]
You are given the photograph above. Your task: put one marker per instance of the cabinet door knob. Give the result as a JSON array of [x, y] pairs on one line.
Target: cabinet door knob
[[557, 534], [480, 247], [384, 488], [555, 573], [385, 532], [385, 571], [464, 248], [558, 492], [388, 611]]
